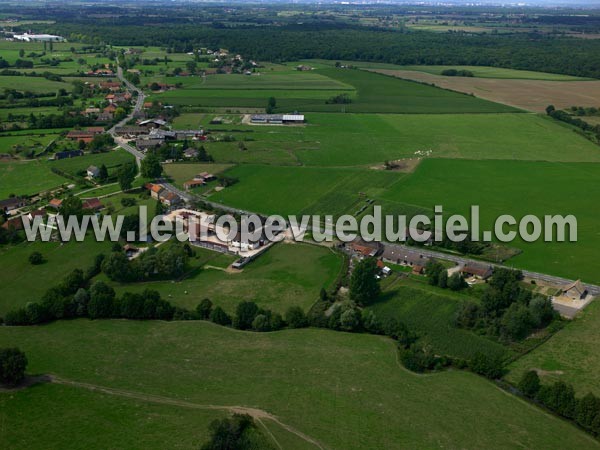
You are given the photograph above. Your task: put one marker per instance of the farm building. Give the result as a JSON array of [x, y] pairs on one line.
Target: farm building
[[92, 203], [277, 119], [144, 143], [155, 190], [481, 271], [11, 204], [205, 176], [575, 291], [405, 257], [190, 153], [26, 37], [193, 183], [68, 154], [55, 203], [153, 123], [130, 131]]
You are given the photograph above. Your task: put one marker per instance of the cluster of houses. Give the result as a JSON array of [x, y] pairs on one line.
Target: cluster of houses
[[150, 134], [166, 197], [86, 135], [115, 97], [412, 258], [199, 180]]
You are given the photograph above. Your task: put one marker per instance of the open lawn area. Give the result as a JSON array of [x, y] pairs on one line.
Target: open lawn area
[[517, 188], [331, 386], [22, 144], [363, 139], [571, 355], [25, 178], [303, 190], [286, 275], [22, 282]]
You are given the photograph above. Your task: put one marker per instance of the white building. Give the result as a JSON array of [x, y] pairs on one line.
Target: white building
[[38, 37]]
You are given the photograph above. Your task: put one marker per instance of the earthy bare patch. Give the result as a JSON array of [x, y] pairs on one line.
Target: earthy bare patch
[[532, 95]]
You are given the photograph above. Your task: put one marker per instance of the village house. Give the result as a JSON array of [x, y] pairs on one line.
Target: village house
[[110, 109], [155, 190], [93, 204], [113, 86], [205, 176], [10, 204], [104, 117], [190, 153], [55, 203], [479, 271], [91, 111], [575, 291]]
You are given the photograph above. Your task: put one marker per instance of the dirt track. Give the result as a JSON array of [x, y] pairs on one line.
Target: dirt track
[[257, 414], [531, 95]]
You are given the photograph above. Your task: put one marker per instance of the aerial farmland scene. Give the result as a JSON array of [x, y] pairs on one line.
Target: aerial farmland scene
[[249, 225]]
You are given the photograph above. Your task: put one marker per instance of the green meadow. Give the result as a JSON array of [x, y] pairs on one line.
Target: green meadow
[[112, 159], [478, 71], [22, 282], [302, 190], [37, 85], [361, 139], [571, 355], [331, 386], [26, 178], [286, 275], [517, 188]]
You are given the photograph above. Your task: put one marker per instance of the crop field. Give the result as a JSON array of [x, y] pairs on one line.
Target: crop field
[[22, 282], [302, 190], [374, 93], [571, 355], [25, 178], [328, 385], [517, 188], [361, 139], [531, 95], [286, 275]]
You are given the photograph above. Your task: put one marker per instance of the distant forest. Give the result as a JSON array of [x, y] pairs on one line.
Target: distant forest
[[570, 56]]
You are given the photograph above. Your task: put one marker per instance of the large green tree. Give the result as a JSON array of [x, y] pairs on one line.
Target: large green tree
[[151, 167], [364, 286]]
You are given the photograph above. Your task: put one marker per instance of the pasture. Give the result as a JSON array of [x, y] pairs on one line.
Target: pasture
[[363, 139], [302, 190], [113, 160], [180, 173], [37, 85], [527, 94], [517, 188], [571, 355], [22, 282], [331, 386], [286, 275], [26, 178]]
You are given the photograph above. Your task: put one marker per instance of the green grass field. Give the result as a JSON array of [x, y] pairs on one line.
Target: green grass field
[[286, 275], [571, 355], [298, 190], [361, 139], [36, 85], [478, 71], [22, 282], [374, 93], [25, 178], [21, 144], [431, 313], [180, 173], [517, 188], [112, 159], [344, 390]]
